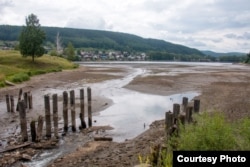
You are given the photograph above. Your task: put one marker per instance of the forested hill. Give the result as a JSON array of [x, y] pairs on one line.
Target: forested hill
[[83, 38]]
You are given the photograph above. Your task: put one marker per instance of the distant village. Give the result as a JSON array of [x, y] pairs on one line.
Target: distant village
[[111, 55]]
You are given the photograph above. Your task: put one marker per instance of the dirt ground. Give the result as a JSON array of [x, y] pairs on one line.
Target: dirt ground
[[222, 89]]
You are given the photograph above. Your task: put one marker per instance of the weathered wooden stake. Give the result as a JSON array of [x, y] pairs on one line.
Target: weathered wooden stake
[[25, 97], [176, 110], [169, 119], [82, 114], [189, 114], [55, 114], [65, 110], [19, 98], [23, 122], [73, 112], [39, 129], [12, 104], [184, 104], [182, 118], [89, 107], [8, 102], [47, 116], [196, 105], [30, 100], [33, 130]]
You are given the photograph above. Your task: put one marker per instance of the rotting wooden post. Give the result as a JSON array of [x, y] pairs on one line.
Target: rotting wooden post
[[89, 107], [196, 105], [12, 104], [73, 112], [82, 114], [182, 118], [55, 115], [65, 110], [176, 110], [25, 97], [39, 129], [189, 114], [33, 130], [47, 116], [8, 102], [23, 122], [30, 100], [184, 104], [19, 98], [169, 119]]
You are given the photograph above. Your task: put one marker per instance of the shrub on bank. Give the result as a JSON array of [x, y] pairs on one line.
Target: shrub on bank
[[20, 77], [210, 132]]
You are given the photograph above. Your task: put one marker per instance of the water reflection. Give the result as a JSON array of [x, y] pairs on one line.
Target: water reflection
[[131, 111]]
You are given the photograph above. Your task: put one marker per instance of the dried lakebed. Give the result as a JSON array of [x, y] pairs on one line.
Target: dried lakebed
[[202, 75]]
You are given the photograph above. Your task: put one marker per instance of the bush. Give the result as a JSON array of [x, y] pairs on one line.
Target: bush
[[243, 134], [20, 77], [211, 132]]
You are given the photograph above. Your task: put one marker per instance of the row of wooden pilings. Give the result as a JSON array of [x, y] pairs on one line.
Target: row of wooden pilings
[[27, 97], [181, 113], [68, 104]]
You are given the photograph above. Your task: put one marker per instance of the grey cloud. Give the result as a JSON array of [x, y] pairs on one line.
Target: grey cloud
[[4, 4], [245, 35], [231, 36]]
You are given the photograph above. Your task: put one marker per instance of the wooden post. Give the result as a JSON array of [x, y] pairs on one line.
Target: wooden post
[[30, 100], [176, 110], [189, 114], [182, 118], [47, 116], [184, 104], [39, 129], [168, 119], [33, 130], [196, 105], [82, 114], [55, 115], [26, 99], [8, 102], [19, 98], [12, 104], [89, 107], [65, 110], [73, 112], [23, 122]]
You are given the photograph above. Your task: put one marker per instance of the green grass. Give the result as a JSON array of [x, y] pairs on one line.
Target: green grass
[[15, 68], [210, 132]]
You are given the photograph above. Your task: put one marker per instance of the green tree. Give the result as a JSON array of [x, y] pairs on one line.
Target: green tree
[[31, 38], [70, 52]]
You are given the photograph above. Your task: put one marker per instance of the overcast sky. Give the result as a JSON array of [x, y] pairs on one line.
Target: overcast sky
[[217, 25]]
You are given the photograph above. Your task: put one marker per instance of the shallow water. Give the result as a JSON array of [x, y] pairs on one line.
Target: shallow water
[[133, 112]]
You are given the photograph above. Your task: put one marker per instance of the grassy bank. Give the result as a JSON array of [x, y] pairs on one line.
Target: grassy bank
[[210, 132], [15, 68]]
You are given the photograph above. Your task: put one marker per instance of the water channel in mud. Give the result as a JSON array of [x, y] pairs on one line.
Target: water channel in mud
[[130, 114]]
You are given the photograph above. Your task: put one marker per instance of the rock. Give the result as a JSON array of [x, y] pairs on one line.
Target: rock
[[26, 157]]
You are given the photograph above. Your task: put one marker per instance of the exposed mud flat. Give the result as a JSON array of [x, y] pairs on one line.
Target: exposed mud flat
[[221, 87]]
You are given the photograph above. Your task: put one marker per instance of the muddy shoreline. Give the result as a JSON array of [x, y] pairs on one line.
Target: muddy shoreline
[[223, 87]]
